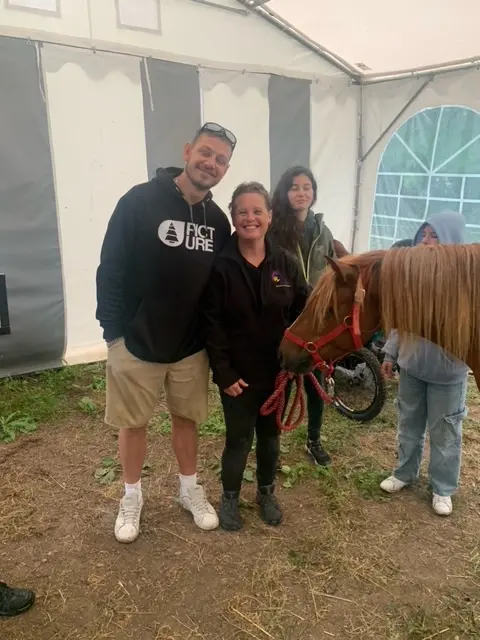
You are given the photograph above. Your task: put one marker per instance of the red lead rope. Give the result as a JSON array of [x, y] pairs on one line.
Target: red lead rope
[[276, 402]]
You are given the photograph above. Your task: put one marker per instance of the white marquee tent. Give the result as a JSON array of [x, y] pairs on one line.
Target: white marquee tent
[[381, 100]]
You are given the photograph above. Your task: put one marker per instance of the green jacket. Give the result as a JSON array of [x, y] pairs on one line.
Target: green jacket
[[319, 244]]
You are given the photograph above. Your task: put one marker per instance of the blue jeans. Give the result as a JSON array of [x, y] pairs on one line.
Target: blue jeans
[[442, 408]]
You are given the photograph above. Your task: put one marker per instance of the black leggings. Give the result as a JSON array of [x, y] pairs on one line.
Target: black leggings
[[243, 420], [315, 406]]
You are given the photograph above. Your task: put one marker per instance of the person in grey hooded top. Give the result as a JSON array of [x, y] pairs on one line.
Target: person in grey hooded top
[[432, 391]]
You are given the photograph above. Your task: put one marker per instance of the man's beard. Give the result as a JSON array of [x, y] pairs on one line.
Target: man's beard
[[199, 185]]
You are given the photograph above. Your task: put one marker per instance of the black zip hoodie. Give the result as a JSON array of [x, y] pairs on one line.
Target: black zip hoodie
[[243, 330], [155, 261]]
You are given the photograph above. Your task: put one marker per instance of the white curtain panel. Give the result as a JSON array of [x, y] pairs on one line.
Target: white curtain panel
[[239, 101], [98, 143], [333, 153]]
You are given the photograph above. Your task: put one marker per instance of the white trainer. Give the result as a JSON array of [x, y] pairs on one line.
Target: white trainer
[[193, 499], [127, 524], [442, 505], [392, 484]]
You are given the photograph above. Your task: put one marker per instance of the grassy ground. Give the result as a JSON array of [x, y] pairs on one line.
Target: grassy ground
[[348, 562]]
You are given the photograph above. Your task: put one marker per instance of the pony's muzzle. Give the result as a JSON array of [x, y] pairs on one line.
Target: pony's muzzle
[[301, 363]]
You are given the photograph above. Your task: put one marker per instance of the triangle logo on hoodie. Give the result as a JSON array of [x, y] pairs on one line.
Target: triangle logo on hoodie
[[172, 232]]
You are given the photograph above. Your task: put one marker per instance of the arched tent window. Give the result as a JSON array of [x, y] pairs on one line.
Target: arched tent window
[[431, 164]]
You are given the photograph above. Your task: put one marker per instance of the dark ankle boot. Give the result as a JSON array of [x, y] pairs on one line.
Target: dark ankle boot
[[318, 454], [270, 510], [14, 601], [230, 518]]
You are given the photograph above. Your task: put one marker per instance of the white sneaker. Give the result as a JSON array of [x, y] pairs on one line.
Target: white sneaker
[[442, 505], [392, 484], [127, 525], [193, 499]]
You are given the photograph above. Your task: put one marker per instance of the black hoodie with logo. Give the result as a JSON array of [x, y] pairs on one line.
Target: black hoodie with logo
[[155, 262], [246, 310]]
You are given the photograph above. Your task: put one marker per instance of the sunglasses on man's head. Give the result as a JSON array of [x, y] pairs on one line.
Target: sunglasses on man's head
[[220, 131]]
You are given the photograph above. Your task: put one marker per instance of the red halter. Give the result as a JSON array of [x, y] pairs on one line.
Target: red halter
[[350, 323]]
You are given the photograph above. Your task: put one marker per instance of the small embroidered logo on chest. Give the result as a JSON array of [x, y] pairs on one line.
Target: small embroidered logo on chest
[[278, 280]]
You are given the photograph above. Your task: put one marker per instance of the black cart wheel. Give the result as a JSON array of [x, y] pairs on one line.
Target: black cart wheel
[[360, 389]]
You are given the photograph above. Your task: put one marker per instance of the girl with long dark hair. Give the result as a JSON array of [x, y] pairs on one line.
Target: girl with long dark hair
[[305, 236]]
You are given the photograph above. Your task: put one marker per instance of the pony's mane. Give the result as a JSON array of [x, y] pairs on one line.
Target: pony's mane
[[323, 299], [433, 292]]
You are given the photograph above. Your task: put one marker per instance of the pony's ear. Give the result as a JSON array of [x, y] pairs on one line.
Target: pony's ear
[[341, 270]]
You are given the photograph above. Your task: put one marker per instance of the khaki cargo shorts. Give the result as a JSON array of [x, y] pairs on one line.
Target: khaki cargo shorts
[[134, 387]]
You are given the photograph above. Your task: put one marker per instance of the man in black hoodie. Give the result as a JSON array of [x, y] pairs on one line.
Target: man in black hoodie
[[155, 261]]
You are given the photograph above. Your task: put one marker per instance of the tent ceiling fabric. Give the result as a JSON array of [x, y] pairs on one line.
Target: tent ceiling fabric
[[384, 36]]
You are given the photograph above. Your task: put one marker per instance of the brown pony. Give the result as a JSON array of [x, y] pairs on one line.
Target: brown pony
[[427, 291]]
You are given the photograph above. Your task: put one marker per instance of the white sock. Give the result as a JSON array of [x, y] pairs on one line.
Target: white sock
[[187, 482], [133, 488]]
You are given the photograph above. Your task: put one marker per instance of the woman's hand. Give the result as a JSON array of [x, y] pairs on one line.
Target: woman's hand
[[236, 389]]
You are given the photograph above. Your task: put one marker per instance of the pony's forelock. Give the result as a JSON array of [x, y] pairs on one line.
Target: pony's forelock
[[324, 298]]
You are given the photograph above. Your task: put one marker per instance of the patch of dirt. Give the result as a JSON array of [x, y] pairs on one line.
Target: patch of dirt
[[339, 567]]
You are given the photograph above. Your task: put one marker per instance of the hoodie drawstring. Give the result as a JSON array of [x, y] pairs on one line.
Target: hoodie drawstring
[[204, 215], [191, 208]]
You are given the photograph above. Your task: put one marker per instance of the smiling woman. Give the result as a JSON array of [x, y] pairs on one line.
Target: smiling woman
[[251, 216], [254, 293]]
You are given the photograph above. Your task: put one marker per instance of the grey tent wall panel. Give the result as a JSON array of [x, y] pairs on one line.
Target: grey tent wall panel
[[172, 110], [30, 255], [289, 105]]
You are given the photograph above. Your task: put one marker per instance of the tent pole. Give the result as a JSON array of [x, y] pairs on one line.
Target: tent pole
[[448, 67], [397, 117], [131, 51], [215, 5], [293, 32], [358, 179]]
